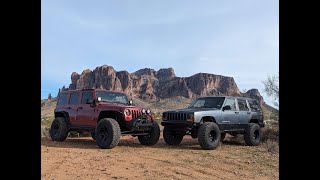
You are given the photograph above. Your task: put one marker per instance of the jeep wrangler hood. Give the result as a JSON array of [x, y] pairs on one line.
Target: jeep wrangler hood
[[106, 104]]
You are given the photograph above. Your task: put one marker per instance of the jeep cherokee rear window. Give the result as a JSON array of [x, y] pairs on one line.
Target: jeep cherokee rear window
[[254, 105], [63, 99], [242, 105]]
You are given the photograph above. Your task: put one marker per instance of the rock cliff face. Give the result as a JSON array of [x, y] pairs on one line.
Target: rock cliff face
[[154, 85], [254, 93]]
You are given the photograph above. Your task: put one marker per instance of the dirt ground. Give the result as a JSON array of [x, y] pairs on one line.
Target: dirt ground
[[80, 158]]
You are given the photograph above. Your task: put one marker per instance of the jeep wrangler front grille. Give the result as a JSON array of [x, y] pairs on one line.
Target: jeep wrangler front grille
[[135, 114], [177, 116]]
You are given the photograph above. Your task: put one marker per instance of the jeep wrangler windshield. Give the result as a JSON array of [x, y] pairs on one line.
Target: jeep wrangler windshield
[[112, 97]]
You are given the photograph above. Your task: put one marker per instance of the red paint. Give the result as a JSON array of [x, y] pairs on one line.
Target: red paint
[[87, 114]]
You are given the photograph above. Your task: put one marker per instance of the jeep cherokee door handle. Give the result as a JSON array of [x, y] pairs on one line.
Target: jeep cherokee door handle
[[236, 112], [248, 112]]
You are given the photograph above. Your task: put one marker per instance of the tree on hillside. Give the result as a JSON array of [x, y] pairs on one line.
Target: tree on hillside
[[271, 87]]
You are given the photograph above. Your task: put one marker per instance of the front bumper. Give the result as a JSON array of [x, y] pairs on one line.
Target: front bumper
[[176, 123], [140, 124]]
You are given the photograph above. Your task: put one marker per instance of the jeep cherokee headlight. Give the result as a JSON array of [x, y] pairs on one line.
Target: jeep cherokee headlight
[[164, 116], [190, 116], [127, 112]]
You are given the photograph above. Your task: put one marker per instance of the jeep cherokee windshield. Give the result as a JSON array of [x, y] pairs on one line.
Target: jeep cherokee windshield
[[208, 102], [112, 97]]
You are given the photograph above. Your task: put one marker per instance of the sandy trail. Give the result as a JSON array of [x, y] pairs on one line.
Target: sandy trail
[[80, 158]]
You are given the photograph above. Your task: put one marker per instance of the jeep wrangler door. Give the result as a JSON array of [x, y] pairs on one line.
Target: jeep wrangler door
[[85, 110], [72, 107]]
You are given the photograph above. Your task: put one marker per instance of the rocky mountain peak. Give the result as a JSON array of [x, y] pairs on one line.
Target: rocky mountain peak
[[154, 85], [254, 93]]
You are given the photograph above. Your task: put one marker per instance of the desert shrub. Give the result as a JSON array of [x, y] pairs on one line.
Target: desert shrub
[[270, 134], [45, 126], [271, 146], [157, 116], [44, 132], [270, 139]]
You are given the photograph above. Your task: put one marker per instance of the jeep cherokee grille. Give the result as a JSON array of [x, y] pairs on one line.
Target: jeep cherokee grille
[[177, 116]]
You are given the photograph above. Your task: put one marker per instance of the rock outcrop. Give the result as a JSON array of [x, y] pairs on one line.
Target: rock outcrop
[[153, 85], [254, 93]]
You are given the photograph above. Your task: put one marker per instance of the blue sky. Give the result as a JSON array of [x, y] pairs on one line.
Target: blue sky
[[231, 38]]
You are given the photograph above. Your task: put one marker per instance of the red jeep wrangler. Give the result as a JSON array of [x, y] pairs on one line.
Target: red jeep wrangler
[[106, 114]]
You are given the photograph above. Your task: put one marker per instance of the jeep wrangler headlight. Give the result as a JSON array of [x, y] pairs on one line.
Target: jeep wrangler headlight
[[146, 111], [127, 112]]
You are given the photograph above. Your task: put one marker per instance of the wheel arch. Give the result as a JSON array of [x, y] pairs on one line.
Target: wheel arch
[[63, 114], [208, 119], [116, 115], [254, 121]]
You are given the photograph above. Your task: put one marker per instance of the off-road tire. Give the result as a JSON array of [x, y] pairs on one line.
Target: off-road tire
[[93, 135], [209, 135], [252, 135], [107, 133], [170, 137], [59, 129], [223, 135], [153, 136]]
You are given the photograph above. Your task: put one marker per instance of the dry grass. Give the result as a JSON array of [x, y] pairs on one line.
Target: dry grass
[[270, 133], [271, 146], [131, 160], [270, 139]]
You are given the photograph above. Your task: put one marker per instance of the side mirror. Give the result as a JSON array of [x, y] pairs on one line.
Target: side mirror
[[227, 107], [130, 102]]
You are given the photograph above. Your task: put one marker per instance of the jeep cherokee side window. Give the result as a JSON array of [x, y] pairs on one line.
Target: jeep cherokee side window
[[231, 103], [74, 97], [242, 105], [85, 96], [63, 99]]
